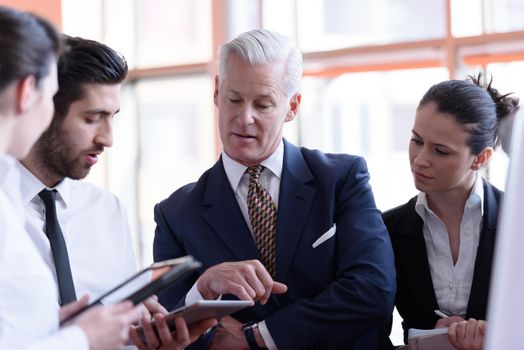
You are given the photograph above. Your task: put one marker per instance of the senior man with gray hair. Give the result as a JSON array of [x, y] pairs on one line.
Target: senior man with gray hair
[[294, 229]]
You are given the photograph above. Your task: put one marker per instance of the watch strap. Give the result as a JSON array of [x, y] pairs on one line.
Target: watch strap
[[249, 333]]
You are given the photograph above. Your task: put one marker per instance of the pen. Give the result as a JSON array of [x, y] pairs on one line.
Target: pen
[[441, 314]]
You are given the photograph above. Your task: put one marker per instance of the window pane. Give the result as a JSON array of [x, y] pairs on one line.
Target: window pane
[[119, 28], [332, 24], [505, 15], [83, 18], [475, 17], [177, 141], [279, 15], [173, 31], [242, 16], [466, 17]]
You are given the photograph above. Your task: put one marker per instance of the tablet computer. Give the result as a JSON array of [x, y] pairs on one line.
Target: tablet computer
[[146, 282], [201, 310]]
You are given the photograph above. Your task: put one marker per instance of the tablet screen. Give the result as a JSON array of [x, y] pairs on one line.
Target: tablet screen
[[146, 282], [141, 279]]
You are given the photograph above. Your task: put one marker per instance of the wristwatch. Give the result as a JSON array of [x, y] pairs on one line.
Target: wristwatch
[[249, 333]]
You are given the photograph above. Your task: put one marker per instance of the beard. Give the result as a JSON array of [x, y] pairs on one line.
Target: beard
[[60, 156]]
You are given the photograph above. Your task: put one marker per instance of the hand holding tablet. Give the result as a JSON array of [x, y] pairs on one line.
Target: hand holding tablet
[[146, 282], [201, 310]]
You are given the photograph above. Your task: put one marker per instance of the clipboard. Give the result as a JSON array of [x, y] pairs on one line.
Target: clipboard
[[146, 282]]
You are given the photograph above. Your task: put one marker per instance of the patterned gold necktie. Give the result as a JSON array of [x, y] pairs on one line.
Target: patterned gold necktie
[[263, 217]]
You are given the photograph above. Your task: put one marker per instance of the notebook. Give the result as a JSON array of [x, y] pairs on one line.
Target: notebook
[[429, 339]]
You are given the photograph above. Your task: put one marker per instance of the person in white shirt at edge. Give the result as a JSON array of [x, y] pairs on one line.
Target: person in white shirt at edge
[[93, 221], [29, 314], [444, 238]]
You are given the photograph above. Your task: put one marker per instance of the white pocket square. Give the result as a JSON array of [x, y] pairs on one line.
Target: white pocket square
[[329, 233]]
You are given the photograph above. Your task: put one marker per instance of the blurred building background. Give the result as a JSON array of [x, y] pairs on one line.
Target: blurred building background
[[367, 64]]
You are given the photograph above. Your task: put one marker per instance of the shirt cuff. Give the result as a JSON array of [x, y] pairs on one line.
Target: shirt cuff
[[194, 295], [268, 339]]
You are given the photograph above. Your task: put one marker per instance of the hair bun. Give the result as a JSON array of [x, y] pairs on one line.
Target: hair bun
[[506, 105]]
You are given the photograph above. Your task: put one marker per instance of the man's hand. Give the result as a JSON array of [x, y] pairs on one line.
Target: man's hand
[[229, 335], [166, 339], [467, 335], [107, 327], [247, 280], [153, 306]]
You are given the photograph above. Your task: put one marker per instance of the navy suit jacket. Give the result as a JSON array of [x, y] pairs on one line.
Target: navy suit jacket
[[337, 292], [416, 298]]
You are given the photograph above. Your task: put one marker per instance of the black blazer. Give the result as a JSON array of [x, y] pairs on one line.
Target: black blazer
[[415, 299]]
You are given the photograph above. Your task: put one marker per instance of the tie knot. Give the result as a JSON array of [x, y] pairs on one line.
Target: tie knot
[[254, 172], [48, 196]]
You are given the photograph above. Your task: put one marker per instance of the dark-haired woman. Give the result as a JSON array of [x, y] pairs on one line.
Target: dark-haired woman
[[444, 237]]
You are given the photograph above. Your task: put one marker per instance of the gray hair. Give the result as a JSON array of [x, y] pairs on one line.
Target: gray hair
[[260, 47]]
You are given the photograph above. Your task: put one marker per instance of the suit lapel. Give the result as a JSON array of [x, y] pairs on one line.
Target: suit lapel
[[412, 256], [293, 208], [224, 215], [478, 297]]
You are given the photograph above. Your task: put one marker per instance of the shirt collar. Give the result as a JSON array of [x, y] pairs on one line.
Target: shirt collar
[[422, 205], [31, 186], [234, 170], [476, 198], [474, 201]]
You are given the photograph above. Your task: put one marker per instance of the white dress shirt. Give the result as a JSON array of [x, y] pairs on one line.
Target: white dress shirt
[[452, 283], [28, 313], [95, 229], [239, 181]]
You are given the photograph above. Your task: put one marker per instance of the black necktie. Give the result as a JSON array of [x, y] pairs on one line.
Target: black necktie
[[58, 248]]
